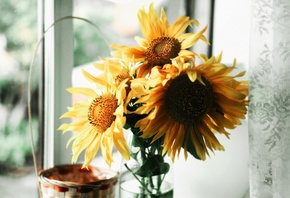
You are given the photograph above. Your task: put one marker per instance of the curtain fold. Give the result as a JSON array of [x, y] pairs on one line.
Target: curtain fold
[[269, 110]]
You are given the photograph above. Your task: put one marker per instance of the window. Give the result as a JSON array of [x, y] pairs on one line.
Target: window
[[71, 44]]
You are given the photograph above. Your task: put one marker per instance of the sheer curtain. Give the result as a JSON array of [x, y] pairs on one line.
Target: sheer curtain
[[269, 110]]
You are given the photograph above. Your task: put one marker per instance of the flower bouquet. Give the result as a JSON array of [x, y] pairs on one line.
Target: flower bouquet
[[170, 98]]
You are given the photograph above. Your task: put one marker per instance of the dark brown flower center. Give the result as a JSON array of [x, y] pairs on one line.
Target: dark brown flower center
[[101, 111], [161, 50], [186, 101]]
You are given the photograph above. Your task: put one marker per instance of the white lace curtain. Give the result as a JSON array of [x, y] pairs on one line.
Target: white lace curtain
[[269, 110]]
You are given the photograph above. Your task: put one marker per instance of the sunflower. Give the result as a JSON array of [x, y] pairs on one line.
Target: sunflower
[[161, 41], [120, 69], [187, 104], [98, 120]]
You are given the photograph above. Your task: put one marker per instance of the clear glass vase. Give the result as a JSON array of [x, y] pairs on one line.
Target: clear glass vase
[[130, 187], [148, 174]]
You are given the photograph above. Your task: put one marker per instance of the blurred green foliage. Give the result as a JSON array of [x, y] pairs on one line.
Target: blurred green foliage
[[15, 143], [18, 38], [18, 34], [89, 43], [92, 41]]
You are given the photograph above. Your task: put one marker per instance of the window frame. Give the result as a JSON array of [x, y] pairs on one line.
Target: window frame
[[55, 76]]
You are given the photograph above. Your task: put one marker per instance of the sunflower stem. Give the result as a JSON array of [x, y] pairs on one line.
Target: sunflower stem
[[140, 181]]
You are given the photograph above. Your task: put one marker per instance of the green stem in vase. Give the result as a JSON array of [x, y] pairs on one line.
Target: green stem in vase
[[137, 178], [143, 158]]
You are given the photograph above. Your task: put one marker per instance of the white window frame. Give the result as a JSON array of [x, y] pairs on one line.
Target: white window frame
[[57, 67]]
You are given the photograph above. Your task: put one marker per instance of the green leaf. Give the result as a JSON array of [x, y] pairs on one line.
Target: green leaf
[[135, 155], [132, 118], [154, 165], [191, 149], [142, 143]]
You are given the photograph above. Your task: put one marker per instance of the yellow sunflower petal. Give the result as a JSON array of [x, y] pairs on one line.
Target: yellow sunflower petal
[[96, 80], [192, 39], [82, 90], [92, 150], [179, 26], [121, 145], [192, 75]]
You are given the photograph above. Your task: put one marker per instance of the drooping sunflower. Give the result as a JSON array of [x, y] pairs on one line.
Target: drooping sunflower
[[120, 69], [188, 104], [161, 41], [98, 120]]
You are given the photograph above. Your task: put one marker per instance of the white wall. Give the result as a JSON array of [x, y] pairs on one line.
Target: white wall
[[225, 174]]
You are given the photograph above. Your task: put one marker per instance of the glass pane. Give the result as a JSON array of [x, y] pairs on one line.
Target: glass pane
[[18, 33]]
